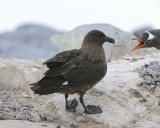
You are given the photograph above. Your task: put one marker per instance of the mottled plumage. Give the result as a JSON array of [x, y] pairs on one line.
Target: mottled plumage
[[76, 71], [148, 39]]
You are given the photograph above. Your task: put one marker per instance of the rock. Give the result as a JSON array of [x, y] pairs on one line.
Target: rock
[[143, 100], [58, 126], [120, 108], [51, 118], [73, 39], [136, 93], [73, 124], [29, 41], [158, 83], [147, 79], [12, 109], [140, 83], [157, 91], [159, 102], [48, 117], [146, 65], [80, 119], [155, 74], [16, 73], [150, 87], [157, 79], [153, 82], [150, 74], [143, 73], [25, 124], [6, 96]]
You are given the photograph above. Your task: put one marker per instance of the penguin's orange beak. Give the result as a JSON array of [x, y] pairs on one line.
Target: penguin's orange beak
[[139, 45]]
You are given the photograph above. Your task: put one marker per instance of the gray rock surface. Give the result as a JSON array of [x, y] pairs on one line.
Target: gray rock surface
[[29, 41], [73, 39], [150, 74], [11, 108], [16, 73], [124, 104], [157, 91], [26, 124]]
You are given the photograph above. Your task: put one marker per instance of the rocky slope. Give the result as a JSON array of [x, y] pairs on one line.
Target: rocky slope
[[33, 41], [29, 41], [124, 104]]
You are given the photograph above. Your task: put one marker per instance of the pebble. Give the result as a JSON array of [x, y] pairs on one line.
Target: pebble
[[158, 83], [151, 87], [80, 119], [14, 110], [157, 79], [136, 93], [73, 124], [147, 79], [150, 74], [48, 117], [58, 126], [13, 107], [5, 97], [143, 100]]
